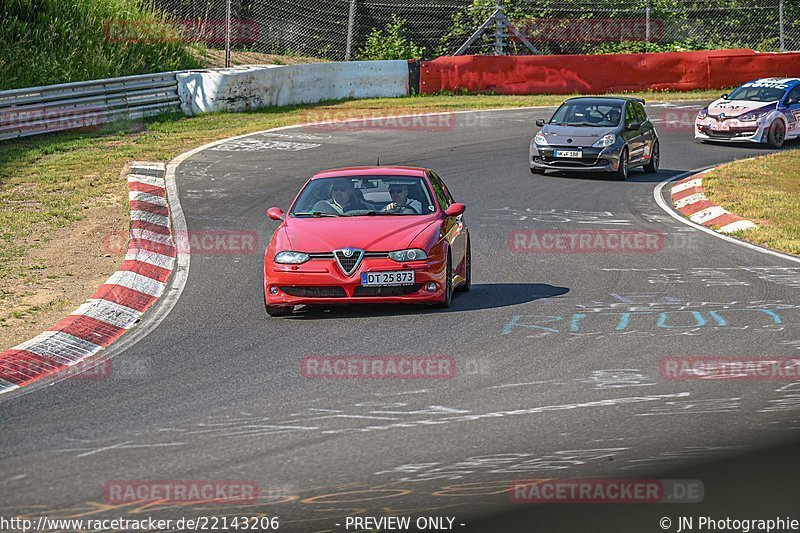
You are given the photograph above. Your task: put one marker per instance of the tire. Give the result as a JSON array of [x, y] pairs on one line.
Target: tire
[[655, 159], [622, 173], [537, 171], [777, 134], [448, 291], [467, 285]]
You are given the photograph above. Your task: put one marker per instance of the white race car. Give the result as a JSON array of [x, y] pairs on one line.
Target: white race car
[[760, 111]]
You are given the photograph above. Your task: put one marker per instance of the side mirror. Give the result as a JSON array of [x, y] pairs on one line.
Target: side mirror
[[275, 213], [724, 96], [540, 122], [634, 126], [455, 210]]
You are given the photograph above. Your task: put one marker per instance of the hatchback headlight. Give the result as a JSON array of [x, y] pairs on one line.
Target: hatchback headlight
[[540, 139], [413, 254], [703, 113], [291, 258], [750, 117], [606, 140]]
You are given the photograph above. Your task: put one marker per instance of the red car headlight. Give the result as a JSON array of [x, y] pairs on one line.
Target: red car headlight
[[412, 254], [291, 258]]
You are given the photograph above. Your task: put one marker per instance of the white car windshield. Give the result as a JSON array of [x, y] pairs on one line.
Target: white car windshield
[[756, 93], [364, 196]]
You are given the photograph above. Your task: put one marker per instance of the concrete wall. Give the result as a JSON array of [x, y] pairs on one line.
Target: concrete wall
[[244, 88]]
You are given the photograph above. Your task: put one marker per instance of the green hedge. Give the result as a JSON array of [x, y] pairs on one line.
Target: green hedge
[[44, 42]]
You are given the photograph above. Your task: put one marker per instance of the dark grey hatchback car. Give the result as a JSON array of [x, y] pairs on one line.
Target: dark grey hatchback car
[[596, 134]]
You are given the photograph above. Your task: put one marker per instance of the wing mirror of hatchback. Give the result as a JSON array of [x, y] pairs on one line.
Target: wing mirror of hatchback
[[455, 210], [275, 213], [540, 122], [634, 126], [724, 96]]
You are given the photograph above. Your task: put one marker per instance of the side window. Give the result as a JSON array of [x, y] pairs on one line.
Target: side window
[[642, 114], [442, 195], [794, 95], [630, 114]]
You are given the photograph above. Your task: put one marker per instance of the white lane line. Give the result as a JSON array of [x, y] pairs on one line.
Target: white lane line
[[737, 226], [140, 196], [683, 202], [688, 185], [147, 256], [136, 282], [110, 312], [663, 205], [709, 213], [147, 216]]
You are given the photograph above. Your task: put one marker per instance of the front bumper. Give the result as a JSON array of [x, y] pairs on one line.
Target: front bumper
[[736, 131], [592, 160], [321, 282]]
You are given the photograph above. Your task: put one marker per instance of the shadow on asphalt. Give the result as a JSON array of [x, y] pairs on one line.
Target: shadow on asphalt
[[761, 483], [481, 296], [636, 176]]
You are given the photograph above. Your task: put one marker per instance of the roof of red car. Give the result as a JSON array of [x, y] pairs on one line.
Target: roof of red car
[[372, 171]]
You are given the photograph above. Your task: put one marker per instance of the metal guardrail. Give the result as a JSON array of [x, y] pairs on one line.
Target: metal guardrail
[[86, 104]]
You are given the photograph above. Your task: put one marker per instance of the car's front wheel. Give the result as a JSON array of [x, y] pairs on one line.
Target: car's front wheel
[[777, 134], [621, 173], [467, 285], [448, 284], [655, 159]]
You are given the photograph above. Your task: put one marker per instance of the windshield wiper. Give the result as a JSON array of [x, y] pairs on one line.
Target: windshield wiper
[[315, 214]]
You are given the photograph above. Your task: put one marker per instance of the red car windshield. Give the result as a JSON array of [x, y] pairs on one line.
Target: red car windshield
[[364, 196]]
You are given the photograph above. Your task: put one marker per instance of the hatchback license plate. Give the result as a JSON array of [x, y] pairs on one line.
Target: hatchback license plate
[[568, 153], [387, 279]]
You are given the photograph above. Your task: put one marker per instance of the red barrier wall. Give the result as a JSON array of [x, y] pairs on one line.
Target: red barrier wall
[[679, 71]]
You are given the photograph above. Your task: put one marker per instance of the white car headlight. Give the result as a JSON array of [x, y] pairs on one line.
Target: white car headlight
[[750, 117], [413, 254], [606, 140], [291, 258], [540, 139]]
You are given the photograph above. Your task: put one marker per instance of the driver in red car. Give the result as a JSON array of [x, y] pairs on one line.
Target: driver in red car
[[400, 202], [343, 199]]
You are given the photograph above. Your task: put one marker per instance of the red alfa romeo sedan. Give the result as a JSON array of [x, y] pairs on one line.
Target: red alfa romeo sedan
[[368, 235]]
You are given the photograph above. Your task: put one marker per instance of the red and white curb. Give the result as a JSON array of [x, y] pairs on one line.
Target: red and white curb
[[689, 198], [119, 303]]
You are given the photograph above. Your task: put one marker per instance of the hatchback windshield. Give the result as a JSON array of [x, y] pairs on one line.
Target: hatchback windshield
[[588, 113], [364, 196], [757, 92]]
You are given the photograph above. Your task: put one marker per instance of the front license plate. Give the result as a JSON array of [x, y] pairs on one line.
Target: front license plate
[[720, 127], [387, 279], [568, 153]]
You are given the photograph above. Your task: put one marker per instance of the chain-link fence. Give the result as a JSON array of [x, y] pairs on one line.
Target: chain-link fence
[[339, 29]]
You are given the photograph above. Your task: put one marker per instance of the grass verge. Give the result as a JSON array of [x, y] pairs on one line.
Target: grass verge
[[765, 190], [65, 188]]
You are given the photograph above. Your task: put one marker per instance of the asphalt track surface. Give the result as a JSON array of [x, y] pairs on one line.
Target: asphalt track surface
[[551, 382]]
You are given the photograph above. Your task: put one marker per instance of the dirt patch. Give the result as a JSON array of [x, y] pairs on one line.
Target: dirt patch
[[61, 272], [216, 59]]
